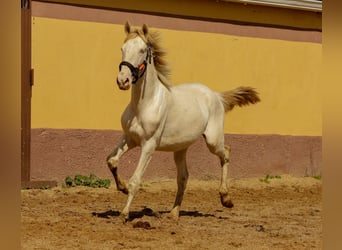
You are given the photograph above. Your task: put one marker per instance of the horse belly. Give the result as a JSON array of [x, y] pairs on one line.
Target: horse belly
[[168, 145], [180, 138]]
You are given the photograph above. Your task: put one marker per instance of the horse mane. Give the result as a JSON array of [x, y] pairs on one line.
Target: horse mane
[[152, 38]]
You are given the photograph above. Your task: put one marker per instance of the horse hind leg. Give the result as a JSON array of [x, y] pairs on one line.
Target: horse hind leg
[[112, 162], [225, 199], [182, 179], [218, 148]]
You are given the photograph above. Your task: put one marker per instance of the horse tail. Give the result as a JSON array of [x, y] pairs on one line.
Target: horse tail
[[240, 96]]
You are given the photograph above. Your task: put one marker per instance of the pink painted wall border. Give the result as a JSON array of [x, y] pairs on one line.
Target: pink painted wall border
[[57, 153], [70, 12]]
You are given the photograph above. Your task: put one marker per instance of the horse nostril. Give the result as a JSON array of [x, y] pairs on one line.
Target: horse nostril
[[126, 80]]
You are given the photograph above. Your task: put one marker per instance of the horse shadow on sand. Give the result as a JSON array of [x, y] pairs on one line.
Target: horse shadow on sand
[[149, 212]]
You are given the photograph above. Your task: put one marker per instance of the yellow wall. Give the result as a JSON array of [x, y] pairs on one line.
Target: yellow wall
[[76, 65]]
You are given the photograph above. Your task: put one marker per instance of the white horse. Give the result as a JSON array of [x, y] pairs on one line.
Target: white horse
[[168, 118]]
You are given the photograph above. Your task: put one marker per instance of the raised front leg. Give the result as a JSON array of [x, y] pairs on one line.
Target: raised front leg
[[112, 162], [182, 179], [134, 183]]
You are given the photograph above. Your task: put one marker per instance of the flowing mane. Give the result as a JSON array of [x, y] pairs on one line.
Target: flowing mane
[[153, 39]]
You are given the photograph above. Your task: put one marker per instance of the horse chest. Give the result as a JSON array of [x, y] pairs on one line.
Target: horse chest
[[135, 128], [140, 129]]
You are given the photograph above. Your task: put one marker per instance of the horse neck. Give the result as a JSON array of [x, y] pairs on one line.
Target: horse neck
[[148, 90]]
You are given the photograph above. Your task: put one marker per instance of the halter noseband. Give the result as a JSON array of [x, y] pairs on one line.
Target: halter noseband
[[138, 72]]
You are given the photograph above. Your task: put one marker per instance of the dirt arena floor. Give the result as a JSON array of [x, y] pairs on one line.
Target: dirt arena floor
[[283, 214]]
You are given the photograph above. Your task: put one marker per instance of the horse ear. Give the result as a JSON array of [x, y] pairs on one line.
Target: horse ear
[[127, 28], [145, 29]]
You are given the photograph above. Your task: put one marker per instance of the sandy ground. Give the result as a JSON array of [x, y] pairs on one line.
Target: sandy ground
[[283, 214]]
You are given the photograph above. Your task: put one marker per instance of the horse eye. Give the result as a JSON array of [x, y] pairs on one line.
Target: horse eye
[[142, 51]]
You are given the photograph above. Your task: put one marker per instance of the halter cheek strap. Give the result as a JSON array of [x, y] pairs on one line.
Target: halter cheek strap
[[138, 72]]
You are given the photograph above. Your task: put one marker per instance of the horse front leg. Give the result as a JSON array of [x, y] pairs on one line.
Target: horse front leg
[[182, 179], [134, 183], [112, 162]]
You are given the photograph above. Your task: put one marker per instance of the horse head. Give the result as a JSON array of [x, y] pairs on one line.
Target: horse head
[[136, 54]]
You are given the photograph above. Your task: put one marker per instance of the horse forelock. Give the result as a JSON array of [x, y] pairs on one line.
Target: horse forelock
[[153, 39]]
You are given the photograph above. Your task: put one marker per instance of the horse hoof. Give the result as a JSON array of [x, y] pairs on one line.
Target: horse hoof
[[226, 202], [124, 218], [173, 215], [124, 190]]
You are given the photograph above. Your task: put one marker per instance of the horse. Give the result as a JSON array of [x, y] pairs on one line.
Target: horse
[[169, 118]]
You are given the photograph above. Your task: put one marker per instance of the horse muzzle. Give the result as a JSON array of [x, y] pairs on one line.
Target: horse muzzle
[[123, 83]]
